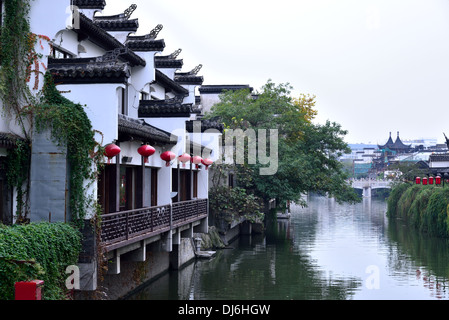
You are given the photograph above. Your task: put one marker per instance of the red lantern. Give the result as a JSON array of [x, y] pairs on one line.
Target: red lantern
[[146, 151], [430, 180], [111, 151], [168, 156], [438, 180], [207, 162], [197, 160], [424, 181], [184, 158], [418, 180]]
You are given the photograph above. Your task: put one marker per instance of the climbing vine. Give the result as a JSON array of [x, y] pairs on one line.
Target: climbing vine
[[71, 129], [37, 251], [17, 172], [16, 51], [45, 110]]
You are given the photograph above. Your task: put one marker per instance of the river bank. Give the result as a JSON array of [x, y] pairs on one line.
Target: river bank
[[424, 208], [325, 251]]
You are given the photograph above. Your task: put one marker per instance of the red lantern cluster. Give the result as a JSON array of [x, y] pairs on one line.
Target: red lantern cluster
[[110, 151], [168, 156], [207, 163], [197, 160], [146, 151], [184, 159], [425, 181]]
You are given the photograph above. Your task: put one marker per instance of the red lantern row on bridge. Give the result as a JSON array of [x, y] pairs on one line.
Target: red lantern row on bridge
[[146, 151], [425, 181]]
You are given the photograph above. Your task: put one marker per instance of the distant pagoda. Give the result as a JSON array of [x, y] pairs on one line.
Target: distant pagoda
[[398, 146]]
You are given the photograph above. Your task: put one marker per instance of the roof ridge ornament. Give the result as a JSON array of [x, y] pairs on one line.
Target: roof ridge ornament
[[175, 54], [154, 33], [196, 70], [112, 56], [128, 12]]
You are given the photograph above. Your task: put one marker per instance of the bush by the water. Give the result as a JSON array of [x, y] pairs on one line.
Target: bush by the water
[[40, 251], [424, 207]]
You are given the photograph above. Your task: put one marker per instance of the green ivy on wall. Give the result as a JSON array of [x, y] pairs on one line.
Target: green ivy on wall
[[69, 125], [37, 251], [17, 173], [70, 128]]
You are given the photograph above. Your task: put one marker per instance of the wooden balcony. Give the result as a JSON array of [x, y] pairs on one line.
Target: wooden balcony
[[126, 227]]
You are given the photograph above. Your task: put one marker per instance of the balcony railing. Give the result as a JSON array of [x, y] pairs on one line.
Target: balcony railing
[[130, 226]]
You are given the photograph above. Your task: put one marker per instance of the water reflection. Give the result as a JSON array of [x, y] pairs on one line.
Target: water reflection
[[325, 251]]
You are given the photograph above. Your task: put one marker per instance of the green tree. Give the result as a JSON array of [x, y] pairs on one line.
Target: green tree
[[307, 152]]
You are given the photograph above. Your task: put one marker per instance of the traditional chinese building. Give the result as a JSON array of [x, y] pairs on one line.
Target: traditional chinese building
[[134, 96], [397, 146]]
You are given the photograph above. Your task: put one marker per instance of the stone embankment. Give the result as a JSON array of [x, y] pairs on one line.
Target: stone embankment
[[211, 240]]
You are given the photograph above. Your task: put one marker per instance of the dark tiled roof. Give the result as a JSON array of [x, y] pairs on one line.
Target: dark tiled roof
[[140, 130], [400, 145], [87, 70], [205, 125], [146, 45], [164, 108], [190, 77], [99, 36], [146, 42], [166, 62], [9, 140], [90, 4], [169, 61], [439, 157], [388, 145], [396, 146], [168, 83], [117, 23], [211, 89]]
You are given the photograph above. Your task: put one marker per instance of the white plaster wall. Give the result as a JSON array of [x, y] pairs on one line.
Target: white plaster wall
[[120, 35], [90, 13], [92, 50], [158, 91], [203, 183], [164, 184], [210, 139], [66, 39], [208, 100], [9, 124], [43, 22], [141, 76], [169, 72], [171, 125], [129, 149], [101, 106], [191, 97], [439, 164]]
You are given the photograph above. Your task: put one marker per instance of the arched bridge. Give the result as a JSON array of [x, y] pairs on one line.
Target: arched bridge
[[368, 184]]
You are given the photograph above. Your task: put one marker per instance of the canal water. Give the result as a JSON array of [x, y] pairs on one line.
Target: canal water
[[325, 251]]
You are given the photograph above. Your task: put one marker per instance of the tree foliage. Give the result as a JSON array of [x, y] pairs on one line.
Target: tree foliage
[[307, 152], [424, 207], [37, 251]]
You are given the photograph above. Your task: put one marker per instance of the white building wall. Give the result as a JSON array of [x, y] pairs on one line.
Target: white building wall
[[208, 100], [68, 40], [101, 102], [169, 72], [164, 180], [43, 22], [203, 183], [191, 97]]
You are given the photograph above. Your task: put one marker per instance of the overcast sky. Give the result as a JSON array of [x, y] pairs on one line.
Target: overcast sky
[[375, 66]]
